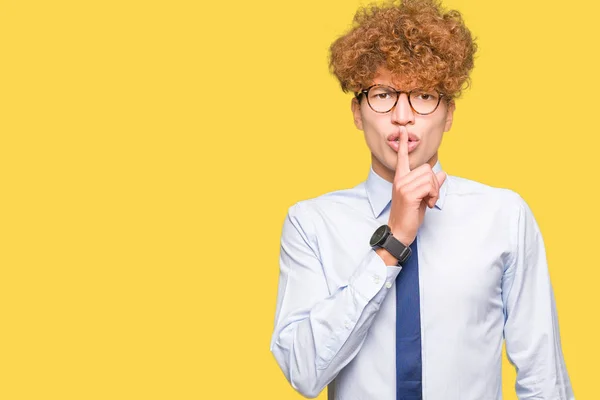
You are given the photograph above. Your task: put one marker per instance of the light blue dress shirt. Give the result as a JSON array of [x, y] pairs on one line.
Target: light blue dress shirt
[[483, 277]]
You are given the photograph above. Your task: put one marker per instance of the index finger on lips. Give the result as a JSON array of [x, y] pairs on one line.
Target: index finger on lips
[[403, 164]]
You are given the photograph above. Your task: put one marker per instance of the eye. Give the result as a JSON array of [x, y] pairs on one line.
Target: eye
[[424, 96], [380, 93]]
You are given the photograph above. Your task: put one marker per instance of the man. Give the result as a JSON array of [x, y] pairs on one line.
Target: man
[[404, 286]]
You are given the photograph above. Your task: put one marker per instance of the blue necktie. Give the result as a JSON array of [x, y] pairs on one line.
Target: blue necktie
[[408, 331]]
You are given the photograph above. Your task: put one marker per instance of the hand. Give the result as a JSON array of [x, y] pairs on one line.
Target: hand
[[412, 191]]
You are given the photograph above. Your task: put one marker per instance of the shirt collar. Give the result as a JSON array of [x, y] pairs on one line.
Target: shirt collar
[[379, 191]]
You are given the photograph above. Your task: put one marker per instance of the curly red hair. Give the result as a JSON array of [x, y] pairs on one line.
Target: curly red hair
[[416, 40]]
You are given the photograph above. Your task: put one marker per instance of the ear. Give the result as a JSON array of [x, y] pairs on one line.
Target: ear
[[355, 106], [449, 116]]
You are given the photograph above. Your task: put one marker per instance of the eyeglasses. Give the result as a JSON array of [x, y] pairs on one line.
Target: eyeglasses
[[382, 99]]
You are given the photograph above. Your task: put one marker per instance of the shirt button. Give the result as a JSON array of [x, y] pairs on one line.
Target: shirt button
[[376, 279], [347, 324], [388, 285]]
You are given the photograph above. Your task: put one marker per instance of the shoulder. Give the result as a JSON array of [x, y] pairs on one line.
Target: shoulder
[[329, 203], [500, 206], [460, 188], [316, 218]]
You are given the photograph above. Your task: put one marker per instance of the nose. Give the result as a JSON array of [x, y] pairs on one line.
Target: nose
[[402, 113]]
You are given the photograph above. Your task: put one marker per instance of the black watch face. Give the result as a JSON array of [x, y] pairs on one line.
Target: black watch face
[[379, 235]]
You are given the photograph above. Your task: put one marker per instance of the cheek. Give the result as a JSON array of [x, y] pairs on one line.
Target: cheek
[[369, 129], [376, 124], [437, 128], [375, 138], [371, 138]]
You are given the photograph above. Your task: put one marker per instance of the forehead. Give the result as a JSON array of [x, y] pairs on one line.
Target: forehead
[[385, 77]]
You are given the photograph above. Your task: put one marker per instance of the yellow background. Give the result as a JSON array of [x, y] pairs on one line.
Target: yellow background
[[149, 151]]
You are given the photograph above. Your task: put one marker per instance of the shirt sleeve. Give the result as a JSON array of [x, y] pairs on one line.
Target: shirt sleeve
[[530, 320], [317, 332]]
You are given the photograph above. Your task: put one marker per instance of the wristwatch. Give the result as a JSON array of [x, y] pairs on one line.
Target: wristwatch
[[383, 238]]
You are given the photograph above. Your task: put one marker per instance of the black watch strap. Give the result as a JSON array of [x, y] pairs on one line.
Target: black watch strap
[[397, 249]]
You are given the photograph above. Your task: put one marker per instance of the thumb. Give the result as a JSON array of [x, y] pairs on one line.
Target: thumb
[[441, 177]]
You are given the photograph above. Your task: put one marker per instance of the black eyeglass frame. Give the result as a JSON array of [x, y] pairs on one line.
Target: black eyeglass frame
[[398, 93]]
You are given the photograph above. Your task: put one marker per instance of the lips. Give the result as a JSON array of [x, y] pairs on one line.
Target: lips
[[396, 136], [395, 145], [394, 141]]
